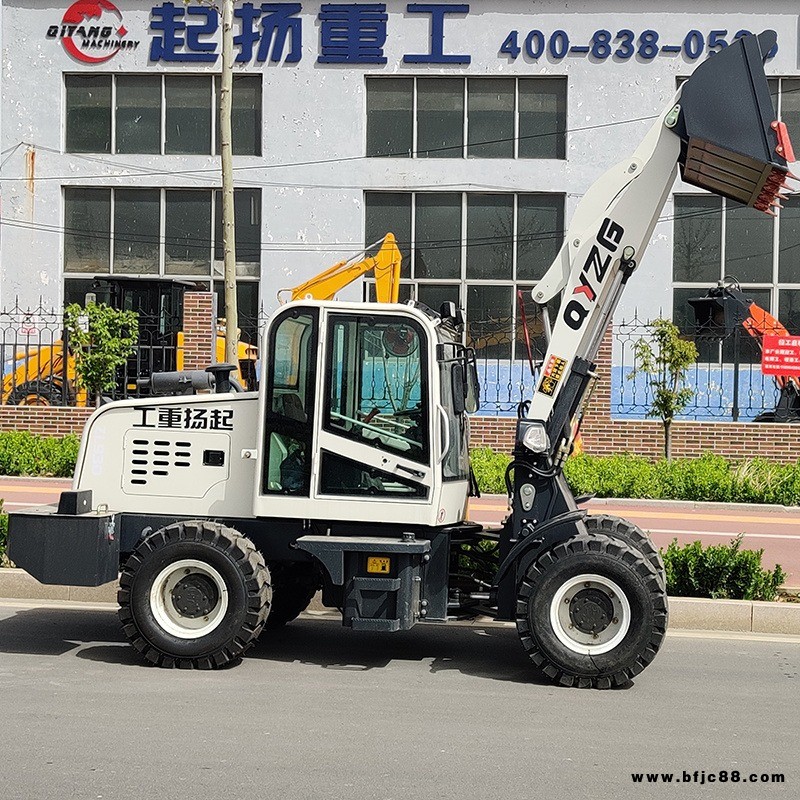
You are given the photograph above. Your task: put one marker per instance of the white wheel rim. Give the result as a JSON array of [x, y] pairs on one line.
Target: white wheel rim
[[582, 642], [163, 606]]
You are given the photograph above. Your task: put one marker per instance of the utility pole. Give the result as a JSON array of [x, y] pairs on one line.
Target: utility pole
[[226, 150]]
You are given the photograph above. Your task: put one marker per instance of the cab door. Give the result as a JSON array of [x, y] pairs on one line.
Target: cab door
[[374, 452], [288, 409]]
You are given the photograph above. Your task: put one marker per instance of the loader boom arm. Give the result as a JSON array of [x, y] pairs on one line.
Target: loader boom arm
[[720, 129], [385, 265]]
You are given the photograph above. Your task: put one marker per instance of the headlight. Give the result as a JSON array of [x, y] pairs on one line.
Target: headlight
[[534, 437]]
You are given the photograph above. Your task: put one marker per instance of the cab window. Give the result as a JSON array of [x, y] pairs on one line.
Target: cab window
[[377, 384], [290, 403]]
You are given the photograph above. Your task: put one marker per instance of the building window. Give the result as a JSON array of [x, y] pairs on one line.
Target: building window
[[715, 238], [144, 232], [467, 117], [159, 114], [88, 113], [474, 249], [138, 114]]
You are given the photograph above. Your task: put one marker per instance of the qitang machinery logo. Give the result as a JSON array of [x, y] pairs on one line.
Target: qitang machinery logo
[[92, 31]]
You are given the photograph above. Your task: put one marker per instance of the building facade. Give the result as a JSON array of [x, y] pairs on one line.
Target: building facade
[[470, 130]]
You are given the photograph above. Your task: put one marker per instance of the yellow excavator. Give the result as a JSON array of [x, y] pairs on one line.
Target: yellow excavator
[[385, 264], [36, 375]]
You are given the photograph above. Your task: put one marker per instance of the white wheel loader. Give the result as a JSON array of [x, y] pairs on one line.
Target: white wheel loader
[[348, 471]]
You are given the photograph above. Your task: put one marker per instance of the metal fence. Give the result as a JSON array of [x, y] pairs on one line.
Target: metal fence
[[726, 380], [38, 368]]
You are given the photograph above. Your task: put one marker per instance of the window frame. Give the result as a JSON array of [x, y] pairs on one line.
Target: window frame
[[427, 423], [214, 273], [414, 152], [411, 284], [210, 78]]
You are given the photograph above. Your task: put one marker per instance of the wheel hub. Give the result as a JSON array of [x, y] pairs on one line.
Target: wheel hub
[[189, 598], [591, 610], [195, 596], [590, 614]]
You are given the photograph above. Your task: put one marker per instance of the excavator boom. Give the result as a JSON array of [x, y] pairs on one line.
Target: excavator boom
[[385, 265]]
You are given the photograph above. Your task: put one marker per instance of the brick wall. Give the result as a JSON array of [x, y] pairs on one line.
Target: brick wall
[[43, 421], [603, 435], [199, 330]]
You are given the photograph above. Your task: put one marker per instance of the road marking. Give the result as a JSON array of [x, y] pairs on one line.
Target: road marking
[[7, 488], [736, 636], [729, 534], [74, 604], [632, 512]]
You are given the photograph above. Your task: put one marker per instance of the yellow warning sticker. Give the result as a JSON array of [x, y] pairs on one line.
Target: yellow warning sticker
[[380, 564], [552, 374]]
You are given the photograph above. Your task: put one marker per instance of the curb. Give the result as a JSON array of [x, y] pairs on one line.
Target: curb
[[685, 613], [675, 505]]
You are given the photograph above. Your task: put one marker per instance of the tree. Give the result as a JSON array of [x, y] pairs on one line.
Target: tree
[[101, 340], [665, 359]]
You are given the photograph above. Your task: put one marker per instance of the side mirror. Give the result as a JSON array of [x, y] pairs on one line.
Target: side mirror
[[472, 398], [458, 387]]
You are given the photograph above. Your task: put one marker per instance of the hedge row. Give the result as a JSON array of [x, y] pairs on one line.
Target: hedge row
[[24, 453], [707, 478]]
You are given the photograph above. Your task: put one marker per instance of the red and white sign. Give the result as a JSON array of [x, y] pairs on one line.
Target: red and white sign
[[781, 355], [92, 31]]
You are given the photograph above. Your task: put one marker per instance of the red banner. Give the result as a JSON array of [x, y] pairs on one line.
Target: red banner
[[781, 355]]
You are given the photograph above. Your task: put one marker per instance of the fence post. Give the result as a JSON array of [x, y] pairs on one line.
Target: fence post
[[735, 409], [64, 367]]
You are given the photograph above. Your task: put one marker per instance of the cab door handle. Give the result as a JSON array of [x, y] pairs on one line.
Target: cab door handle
[[415, 472]]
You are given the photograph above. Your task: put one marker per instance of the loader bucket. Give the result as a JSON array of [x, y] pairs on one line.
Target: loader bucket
[[732, 144], [718, 313]]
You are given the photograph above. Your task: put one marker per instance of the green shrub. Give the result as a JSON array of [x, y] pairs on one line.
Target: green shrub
[[719, 571], [24, 453], [709, 478], [490, 469]]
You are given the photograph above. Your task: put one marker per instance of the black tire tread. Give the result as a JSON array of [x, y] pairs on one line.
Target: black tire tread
[[600, 543], [250, 563], [293, 588], [631, 534]]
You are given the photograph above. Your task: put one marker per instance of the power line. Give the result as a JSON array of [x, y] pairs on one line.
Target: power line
[[313, 247], [316, 162]]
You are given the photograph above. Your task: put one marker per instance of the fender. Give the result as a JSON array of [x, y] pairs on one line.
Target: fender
[[541, 538]]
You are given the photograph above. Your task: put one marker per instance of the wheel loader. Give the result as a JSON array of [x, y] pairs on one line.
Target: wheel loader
[[223, 512]]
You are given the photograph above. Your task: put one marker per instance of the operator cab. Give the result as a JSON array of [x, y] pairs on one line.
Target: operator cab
[[364, 410]]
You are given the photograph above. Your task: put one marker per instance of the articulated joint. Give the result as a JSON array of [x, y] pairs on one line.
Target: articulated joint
[[627, 263]]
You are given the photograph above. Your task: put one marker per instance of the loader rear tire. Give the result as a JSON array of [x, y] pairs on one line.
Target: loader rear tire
[[194, 595], [591, 612], [630, 534], [293, 588]]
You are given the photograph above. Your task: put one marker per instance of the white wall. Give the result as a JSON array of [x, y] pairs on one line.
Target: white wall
[[315, 112]]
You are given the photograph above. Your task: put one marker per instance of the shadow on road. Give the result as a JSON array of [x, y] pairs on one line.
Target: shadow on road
[[472, 650], [483, 652]]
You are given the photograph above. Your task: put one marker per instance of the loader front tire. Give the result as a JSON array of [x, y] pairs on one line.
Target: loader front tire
[[293, 588], [591, 612], [194, 595], [631, 534]]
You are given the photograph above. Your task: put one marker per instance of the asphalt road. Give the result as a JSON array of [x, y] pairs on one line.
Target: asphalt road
[[777, 532], [317, 711]]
